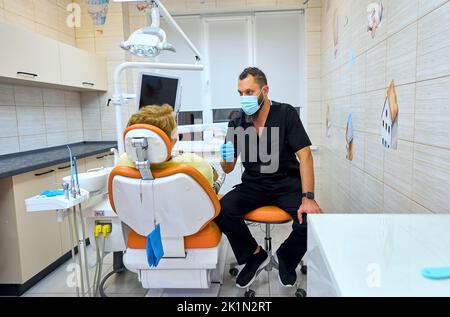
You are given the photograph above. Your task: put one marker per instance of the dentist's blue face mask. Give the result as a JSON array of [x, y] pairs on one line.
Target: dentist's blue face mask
[[251, 104]]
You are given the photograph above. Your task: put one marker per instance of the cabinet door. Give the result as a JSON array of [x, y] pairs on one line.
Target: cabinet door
[[38, 233], [28, 56], [82, 69], [100, 160]]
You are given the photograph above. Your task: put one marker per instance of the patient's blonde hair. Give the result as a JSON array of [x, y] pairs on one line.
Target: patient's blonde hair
[[159, 116]]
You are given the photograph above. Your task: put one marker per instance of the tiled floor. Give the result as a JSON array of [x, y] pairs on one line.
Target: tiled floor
[[127, 285]]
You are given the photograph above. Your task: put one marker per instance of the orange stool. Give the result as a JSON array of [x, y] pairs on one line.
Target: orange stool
[[270, 215]]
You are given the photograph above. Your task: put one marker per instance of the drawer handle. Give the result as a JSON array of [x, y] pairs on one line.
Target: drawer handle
[[101, 157], [85, 83], [27, 74], [63, 167], [45, 173]]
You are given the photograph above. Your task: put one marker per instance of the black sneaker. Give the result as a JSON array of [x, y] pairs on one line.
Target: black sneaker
[[286, 275], [251, 269]]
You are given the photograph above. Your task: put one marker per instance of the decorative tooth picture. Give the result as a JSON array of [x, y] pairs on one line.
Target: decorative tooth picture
[[98, 10], [375, 11], [389, 116], [349, 137], [336, 32], [328, 121]]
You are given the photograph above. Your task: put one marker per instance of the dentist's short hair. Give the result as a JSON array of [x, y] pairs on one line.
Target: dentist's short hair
[[256, 73]]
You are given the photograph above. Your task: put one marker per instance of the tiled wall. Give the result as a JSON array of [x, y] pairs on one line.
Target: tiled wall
[[33, 118], [412, 47], [46, 17], [98, 119]]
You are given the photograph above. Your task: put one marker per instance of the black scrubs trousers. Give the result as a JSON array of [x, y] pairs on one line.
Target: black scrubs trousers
[[281, 188]]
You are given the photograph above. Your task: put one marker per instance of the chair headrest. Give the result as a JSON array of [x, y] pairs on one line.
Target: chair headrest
[[159, 148]]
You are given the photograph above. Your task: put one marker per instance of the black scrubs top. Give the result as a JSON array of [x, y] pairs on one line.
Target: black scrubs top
[[292, 137]]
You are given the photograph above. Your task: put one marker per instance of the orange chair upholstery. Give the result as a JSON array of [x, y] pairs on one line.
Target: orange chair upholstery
[[269, 214]]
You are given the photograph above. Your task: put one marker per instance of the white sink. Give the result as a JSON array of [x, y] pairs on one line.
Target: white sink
[[92, 181]]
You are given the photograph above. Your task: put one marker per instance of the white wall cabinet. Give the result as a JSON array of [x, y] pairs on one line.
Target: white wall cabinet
[[82, 69], [28, 56], [35, 59]]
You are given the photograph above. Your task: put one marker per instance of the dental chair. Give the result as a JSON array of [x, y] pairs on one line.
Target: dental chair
[[180, 200]]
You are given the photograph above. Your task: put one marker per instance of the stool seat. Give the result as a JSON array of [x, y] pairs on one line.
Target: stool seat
[[268, 214]]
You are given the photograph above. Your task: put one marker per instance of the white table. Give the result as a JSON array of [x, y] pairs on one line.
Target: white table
[[377, 255]]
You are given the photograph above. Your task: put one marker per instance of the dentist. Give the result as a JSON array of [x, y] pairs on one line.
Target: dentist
[[279, 170]]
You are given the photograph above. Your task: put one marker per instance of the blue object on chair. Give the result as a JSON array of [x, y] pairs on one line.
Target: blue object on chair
[[53, 193], [436, 273], [155, 250]]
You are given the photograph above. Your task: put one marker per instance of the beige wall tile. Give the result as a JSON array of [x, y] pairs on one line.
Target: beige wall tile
[[313, 19], [6, 95], [373, 198], [434, 44], [374, 156], [398, 167], [426, 6], [432, 120], [376, 67], [401, 60], [431, 184], [406, 98], [401, 13]]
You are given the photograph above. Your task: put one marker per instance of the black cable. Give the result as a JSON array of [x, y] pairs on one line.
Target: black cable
[[102, 283]]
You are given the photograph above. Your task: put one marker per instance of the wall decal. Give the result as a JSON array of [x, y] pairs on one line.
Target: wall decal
[[336, 32], [349, 137], [328, 121], [375, 11], [98, 10], [389, 117], [351, 60]]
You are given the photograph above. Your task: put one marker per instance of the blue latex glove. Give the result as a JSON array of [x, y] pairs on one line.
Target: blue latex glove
[[227, 152]]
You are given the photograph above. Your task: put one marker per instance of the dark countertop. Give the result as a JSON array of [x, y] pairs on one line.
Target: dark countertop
[[20, 163]]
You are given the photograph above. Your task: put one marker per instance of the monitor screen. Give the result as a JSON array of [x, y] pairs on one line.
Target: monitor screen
[[159, 90]]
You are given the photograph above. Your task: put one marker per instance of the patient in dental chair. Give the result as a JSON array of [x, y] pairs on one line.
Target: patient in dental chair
[[163, 117]]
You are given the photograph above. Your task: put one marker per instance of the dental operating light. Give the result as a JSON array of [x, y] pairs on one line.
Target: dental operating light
[[151, 40]]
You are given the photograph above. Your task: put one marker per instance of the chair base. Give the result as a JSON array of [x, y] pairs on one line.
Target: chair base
[[273, 264]]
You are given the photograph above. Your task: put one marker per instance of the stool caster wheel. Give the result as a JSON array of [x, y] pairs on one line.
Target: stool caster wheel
[[233, 271], [304, 270], [250, 293], [300, 293]]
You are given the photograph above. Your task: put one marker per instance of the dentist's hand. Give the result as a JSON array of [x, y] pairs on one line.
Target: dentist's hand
[[308, 206], [227, 152]]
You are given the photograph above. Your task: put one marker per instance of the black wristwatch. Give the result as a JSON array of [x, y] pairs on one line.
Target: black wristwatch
[[308, 195]]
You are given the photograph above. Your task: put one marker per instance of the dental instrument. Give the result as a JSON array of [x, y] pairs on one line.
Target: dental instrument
[[72, 180], [76, 176]]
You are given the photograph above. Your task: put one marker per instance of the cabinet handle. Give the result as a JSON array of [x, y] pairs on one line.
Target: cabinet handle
[[100, 157], [41, 174], [28, 74], [85, 83], [63, 167]]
